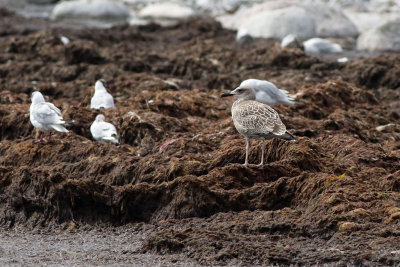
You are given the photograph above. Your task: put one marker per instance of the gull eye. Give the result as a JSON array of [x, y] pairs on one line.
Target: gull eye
[[240, 91]]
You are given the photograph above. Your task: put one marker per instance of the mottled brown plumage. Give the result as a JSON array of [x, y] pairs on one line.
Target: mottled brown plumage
[[255, 120]]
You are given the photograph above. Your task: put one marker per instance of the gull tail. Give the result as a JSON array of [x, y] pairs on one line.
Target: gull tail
[[288, 99], [59, 128], [291, 101], [69, 122], [111, 139]]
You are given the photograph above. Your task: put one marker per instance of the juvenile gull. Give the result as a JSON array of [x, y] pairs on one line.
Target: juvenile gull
[[101, 98], [255, 120], [103, 131], [45, 116], [267, 92]]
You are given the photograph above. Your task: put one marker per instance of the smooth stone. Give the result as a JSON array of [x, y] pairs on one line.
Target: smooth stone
[[276, 19], [166, 11], [385, 37], [91, 10]]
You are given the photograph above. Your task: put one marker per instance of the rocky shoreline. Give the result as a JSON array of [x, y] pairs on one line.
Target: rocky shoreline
[[176, 181]]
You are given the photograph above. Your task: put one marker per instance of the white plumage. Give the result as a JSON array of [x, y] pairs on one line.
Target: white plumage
[[45, 116], [321, 46], [268, 93], [103, 131], [101, 98]]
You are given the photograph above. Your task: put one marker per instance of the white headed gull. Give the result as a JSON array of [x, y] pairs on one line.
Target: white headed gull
[[45, 116], [103, 131], [268, 93], [101, 98], [321, 46]]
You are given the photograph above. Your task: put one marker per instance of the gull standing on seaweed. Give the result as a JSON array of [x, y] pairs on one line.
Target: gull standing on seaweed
[[101, 98], [44, 116], [267, 92], [255, 120], [103, 131]]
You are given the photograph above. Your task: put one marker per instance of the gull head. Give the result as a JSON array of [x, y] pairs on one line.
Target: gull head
[[100, 85], [100, 117], [37, 97], [242, 93]]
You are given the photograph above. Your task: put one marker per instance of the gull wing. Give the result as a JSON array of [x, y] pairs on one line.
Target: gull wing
[[103, 99], [258, 117], [46, 114]]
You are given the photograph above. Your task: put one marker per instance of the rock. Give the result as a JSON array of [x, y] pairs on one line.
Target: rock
[[174, 11], [321, 46], [277, 19], [290, 40], [231, 6], [280, 22], [354, 5], [103, 10], [385, 37], [384, 6], [367, 20], [215, 7], [331, 22], [42, 2], [204, 4]]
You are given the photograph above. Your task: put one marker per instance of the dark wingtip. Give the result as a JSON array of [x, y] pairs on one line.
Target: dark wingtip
[[227, 94], [288, 136]]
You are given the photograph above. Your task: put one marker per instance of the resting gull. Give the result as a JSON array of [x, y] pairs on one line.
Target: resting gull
[[101, 98], [268, 93], [103, 131], [321, 46], [45, 116], [255, 120], [291, 40]]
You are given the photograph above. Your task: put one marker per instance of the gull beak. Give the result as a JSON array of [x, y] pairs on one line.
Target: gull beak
[[104, 83], [227, 94]]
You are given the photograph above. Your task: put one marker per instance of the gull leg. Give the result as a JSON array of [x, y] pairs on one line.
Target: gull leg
[[39, 137], [262, 153], [246, 162], [46, 137]]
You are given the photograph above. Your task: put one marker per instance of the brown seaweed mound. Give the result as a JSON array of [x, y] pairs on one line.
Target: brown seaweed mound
[[319, 199]]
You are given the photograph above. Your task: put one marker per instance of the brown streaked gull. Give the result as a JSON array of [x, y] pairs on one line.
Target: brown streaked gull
[[255, 120]]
